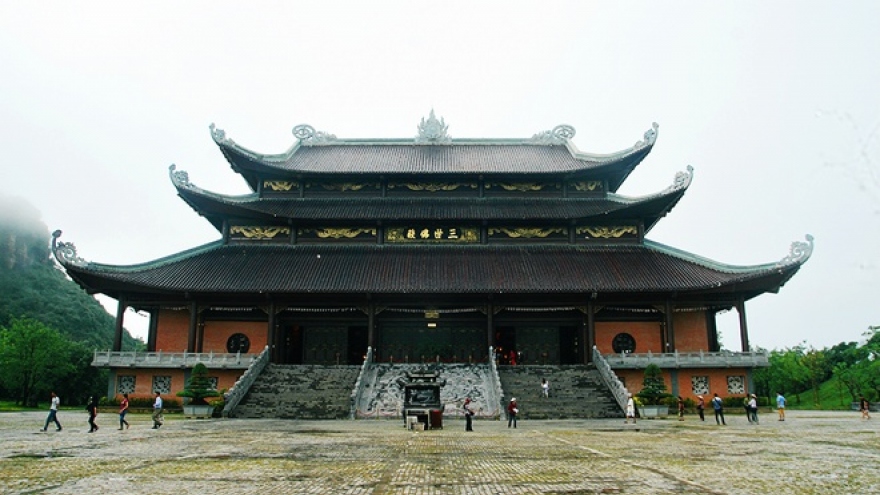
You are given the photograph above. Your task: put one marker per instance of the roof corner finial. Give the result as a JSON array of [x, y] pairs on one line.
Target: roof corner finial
[[179, 178], [433, 131], [799, 253], [219, 135], [650, 136], [65, 252], [682, 180]]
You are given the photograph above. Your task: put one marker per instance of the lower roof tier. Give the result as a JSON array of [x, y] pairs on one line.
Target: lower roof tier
[[288, 270]]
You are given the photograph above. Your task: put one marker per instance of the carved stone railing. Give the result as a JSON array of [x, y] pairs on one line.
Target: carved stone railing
[[690, 360], [359, 384], [496, 381], [135, 359], [618, 390], [244, 383]]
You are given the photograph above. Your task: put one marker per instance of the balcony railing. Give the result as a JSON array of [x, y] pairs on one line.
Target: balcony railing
[[689, 360], [135, 359]]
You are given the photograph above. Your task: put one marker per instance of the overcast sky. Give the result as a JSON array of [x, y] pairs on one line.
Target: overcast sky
[[776, 105]]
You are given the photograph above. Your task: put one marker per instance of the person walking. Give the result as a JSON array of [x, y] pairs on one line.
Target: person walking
[[545, 388], [747, 408], [630, 409], [158, 419], [718, 406], [701, 406], [753, 409], [123, 410], [53, 413], [512, 411], [92, 408], [780, 405], [468, 415], [864, 407], [680, 408]]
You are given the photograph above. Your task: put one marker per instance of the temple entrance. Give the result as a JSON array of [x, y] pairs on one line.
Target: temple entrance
[[505, 345], [569, 348], [417, 340], [291, 344], [357, 344]]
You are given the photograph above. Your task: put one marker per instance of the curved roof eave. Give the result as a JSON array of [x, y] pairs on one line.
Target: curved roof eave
[[214, 206], [245, 161]]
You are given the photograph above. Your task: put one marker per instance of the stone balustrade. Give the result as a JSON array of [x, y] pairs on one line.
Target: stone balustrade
[[137, 359], [698, 359]]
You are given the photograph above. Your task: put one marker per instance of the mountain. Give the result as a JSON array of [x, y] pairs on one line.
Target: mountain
[[32, 285]]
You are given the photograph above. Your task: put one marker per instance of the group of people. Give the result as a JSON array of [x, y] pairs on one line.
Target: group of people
[[92, 407], [467, 409], [750, 403]]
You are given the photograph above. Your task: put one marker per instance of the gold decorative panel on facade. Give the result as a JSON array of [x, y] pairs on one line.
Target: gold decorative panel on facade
[[280, 185], [423, 234], [587, 186], [337, 233], [522, 186], [345, 186], [258, 233], [529, 233], [608, 232], [432, 186]]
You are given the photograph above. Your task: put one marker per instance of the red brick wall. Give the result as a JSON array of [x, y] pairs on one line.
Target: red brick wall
[[172, 330], [690, 332], [646, 333], [717, 381], [144, 380], [216, 333]]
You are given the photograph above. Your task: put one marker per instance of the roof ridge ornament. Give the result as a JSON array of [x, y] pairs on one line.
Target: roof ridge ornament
[[433, 131], [682, 180], [799, 253], [559, 135], [308, 135], [65, 251], [179, 177], [219, 135], [650, 137]]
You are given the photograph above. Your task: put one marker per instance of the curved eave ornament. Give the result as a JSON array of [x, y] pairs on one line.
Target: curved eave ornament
[[180, 178], [65, 252], [560, 134], [649, 138], [307, 135], [799, 253], [682, 181]]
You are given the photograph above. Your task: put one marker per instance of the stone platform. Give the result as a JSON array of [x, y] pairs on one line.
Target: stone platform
[[809, 453]]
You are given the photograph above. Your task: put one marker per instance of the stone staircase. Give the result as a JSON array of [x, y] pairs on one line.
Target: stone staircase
[[300, 392], [576, 391], [382, 396]]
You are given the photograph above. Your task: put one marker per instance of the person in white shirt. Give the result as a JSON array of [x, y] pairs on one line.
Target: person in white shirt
[[53, 413], [630, 409], [158, 419], [545, 388]]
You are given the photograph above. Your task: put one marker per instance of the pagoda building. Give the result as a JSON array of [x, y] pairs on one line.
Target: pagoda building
[[433, 249]]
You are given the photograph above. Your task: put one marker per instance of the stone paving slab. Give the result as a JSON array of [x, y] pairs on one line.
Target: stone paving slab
[[809, 453]]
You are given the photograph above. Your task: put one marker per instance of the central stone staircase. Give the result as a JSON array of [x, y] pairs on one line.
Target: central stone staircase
[[576, 391], [300, 392]]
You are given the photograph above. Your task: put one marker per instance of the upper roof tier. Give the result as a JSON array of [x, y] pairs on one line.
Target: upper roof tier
[[434, 153], [612, 207]]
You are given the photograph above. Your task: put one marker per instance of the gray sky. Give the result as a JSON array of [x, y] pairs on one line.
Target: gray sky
[[775, 104]]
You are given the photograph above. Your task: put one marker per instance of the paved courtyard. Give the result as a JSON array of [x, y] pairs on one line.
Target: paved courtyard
[[809, 453]]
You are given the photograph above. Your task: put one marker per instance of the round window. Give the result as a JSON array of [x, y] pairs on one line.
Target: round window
[[238, 342], [623, 343]]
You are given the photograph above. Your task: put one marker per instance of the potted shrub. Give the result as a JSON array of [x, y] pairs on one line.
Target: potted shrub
[[197, 390], [653, 394]]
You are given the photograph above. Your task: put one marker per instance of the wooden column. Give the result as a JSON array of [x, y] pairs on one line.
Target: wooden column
[[193, 326], [490, 324], [120, 317], [590, 331], [712, 331], [272, 331], [371, 326], [153, 330], [670, 327], [743, 326]]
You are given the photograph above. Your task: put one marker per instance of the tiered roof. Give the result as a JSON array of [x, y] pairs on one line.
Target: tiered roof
[[243, 271]]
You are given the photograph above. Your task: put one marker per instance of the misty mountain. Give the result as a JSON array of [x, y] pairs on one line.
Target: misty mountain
[[33, 286]]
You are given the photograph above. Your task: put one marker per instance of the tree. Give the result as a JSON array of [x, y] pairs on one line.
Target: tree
[[199, 386], [814, 363], [654, 387], [33, 357]]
